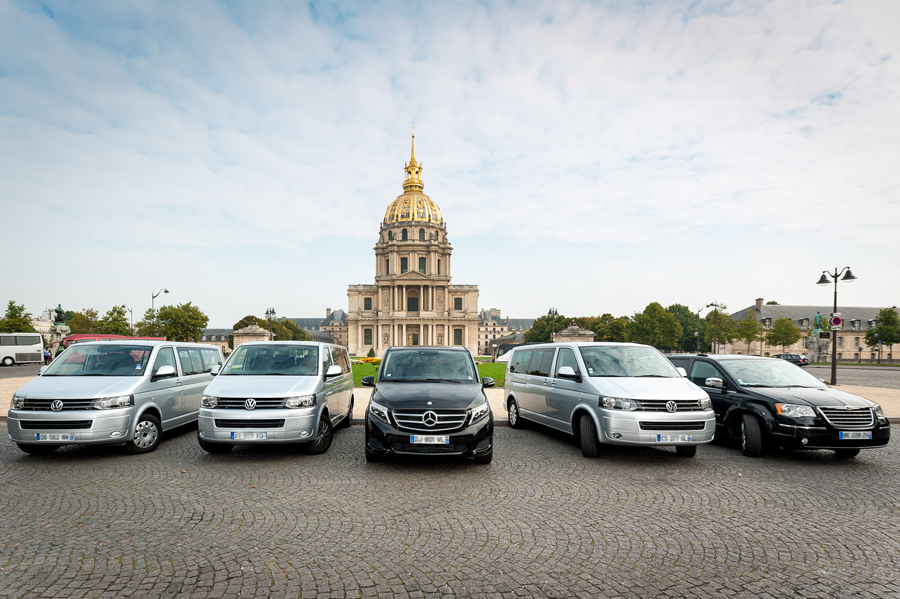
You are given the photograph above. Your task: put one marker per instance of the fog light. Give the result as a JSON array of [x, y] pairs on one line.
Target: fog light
[[201, 434], [304, 433], [115, 434], [804, 441], [617, 435]]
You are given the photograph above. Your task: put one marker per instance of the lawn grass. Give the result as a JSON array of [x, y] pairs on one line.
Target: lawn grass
[[495, 371], [361, 370]]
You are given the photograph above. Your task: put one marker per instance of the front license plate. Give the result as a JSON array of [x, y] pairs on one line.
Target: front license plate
[[673, 438], [855, 434], [54, 436], [249, 436], [430, 439]]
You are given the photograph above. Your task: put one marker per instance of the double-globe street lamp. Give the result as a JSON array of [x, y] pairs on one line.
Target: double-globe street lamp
[[153, 310], [269, 314], [715, 346], [825, 279], [131, 314], [552, 314]]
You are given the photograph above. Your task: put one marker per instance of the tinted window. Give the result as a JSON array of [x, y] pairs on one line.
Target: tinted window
[[520, 361], [428, 364], [105, 360], [326, 357], [210, 359], [566, 358], [342, 359], [28, 340], [165, 357], [294, 360], [191, 363], [626, 361], [540, 362], [703, 370], [7, 340]]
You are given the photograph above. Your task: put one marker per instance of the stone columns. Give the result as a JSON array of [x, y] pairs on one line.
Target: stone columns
[[403, 337]]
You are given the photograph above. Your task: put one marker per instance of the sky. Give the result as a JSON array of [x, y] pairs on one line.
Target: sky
[[591, 157]]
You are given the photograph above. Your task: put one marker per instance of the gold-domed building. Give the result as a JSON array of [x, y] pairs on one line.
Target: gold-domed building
[[412, 301]]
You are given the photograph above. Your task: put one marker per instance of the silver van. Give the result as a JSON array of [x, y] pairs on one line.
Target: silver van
[[278, 392], [608, 393], [127, 391]]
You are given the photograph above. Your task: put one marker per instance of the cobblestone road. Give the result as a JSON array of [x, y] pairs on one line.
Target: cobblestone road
[[540, 521], [875, 376]]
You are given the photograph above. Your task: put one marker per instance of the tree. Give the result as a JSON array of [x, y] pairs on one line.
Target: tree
[[297, 333], [690, 323], [607, 327], [655, 326], [114, 322], [16, 319], [67, 316], [887, 329], [783, 332], [84, 322], [184, 322], [748, 329], [543, 326], [772, 303], [144, 327], [720, 328]]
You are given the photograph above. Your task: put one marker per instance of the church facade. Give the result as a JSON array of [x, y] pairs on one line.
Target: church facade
[[413, 301]]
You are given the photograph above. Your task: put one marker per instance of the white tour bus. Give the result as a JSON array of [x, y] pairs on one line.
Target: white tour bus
[[21, 348]]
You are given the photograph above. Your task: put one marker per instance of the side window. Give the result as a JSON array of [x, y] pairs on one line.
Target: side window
[[367, 303], [8, 340], [702, 371], [421, 234], [520, 361], [165, 357], [541, 361], [404, 265], [457, 303], [326, 359], [457, 336], [342, 359], [566, 358], [404, 235], [422, 265], [191, 363], [210, 359]]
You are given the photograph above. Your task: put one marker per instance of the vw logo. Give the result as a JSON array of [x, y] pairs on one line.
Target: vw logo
[[671, 406], [250, 404], [429, 418], [56, 405]]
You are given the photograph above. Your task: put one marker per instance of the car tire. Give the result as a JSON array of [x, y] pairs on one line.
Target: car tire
[[485, 458], [38, 449], [515, 418], [147, 435], [751, 436], [686, 451], [846, 453], [323, 440], [347, 422], [8, 361], [590, 446], [213, 447]]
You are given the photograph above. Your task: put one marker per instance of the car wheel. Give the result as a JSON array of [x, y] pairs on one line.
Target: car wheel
[[323, 440], [38, 449], [8, 361], [686, 451], [515, 420], [347, 422], [590, 446], [751, 437], [213, 447], [485, 458], [147, 435], [846, 453]]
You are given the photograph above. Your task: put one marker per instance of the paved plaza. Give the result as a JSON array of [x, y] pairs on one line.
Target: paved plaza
[[540, 521]]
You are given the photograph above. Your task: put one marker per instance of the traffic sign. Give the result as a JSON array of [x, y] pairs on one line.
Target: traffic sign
[[825, 335], [836, 321], [835, 313], [838, 328]]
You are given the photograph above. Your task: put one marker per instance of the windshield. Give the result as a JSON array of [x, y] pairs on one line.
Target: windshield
[[428, 365], [627, 360], [101, 360], [275, 359], [769, 373]]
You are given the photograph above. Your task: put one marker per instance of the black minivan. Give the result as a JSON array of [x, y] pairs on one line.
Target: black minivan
[[429, 401], [768, 401]]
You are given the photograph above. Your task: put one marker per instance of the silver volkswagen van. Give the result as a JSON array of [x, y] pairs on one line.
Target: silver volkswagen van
[[278, 392], [608, 393], [126, 391]]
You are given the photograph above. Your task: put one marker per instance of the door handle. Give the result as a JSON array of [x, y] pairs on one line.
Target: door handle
[[178, 382]]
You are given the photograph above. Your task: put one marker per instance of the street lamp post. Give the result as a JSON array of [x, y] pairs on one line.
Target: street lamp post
[[269, 314], [715, 346], [153, 309], [825, 279], [552, 314], [131, 314]]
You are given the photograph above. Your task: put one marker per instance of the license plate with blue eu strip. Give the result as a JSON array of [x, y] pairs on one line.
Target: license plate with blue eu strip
[[249, 436], [855, 434], [54, 436], [430, 439]]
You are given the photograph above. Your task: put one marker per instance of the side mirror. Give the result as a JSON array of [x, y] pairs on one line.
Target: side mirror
[[215, 369], [567, 372], [164, 371], [487, 381], [42, 370], [715, 383], [681, 371], [368, 381], [333, 371]]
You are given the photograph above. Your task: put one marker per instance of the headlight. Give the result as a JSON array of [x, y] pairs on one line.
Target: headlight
[[379, 411], [479, 412], [705, 403], [17, 403], [300, 401], [209, 401], [109, 403], [879, 413], [794, 411], [618, 403]]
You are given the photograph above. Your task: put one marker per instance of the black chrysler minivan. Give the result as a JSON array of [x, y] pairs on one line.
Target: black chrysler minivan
[[429, 401]]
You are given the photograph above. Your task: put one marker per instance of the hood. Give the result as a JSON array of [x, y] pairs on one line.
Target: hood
[[79, 387], [230, 385], [406, 396], [820, 396], [647, 388]]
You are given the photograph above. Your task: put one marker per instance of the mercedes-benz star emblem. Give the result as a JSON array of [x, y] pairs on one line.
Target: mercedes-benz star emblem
[[671, 406], [250, 404], [56, 405], [429, 418]]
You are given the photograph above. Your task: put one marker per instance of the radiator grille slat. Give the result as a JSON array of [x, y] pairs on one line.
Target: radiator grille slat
[[659, 405], [237, 403], [673, 426], [235, 423], [54, 425], [68, 404], [846, 419], [413, 420]]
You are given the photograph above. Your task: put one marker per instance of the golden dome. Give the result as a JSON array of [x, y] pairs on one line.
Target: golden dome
[[413, 205]]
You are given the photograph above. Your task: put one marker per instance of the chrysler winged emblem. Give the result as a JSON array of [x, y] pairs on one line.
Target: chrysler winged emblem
[[56, 405], [250, 404], [671, 406], [429, 418]]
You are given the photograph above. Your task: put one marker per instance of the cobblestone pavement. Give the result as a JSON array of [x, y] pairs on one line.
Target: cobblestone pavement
[[874, 376], [540, 521]]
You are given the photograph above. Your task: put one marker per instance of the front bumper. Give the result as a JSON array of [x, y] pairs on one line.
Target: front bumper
[[386, 439], [84, 426], [823, 437], [647, 428], [281, 425]]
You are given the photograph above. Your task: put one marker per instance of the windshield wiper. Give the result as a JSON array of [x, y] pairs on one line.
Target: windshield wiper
[[756, 385], [658, 376], [441, 381], [397, 380], [609, 375]]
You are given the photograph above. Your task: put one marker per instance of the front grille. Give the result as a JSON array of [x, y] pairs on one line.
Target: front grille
[[54, 425], [68, 404], [429, 449], [233, 423], [852, 418], [237, 403], [659, 405], [673, 426], [413, 420]]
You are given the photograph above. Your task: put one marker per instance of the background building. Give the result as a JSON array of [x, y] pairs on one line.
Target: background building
[[492, 327]]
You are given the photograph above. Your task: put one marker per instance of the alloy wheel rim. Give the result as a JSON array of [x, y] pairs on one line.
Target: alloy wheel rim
[[513, 413], [145, 435], [324, 433]]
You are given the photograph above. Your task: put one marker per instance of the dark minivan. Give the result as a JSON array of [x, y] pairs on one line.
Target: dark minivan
[[429, 401], [768, 401]]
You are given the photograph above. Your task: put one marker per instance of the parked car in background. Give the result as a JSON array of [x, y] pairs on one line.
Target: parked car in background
[[112, 392], [768, 402], [793, 359], [607, 393], [69, 340], [21, 348], [275, 392], [429, 401]]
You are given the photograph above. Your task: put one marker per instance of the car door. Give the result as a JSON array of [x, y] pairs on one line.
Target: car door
[[564, 393], [721, 399], [332, 387], [517, 377], [165, 392], [539, 382], [342, 359], [193, 382]]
